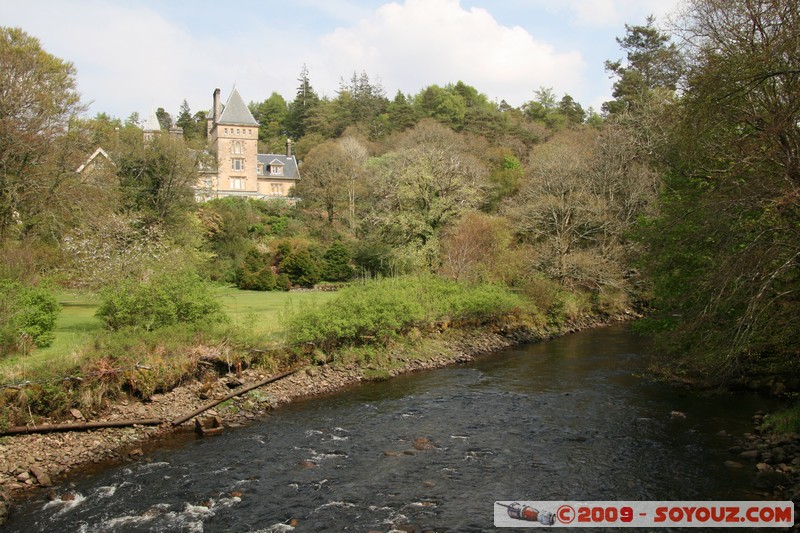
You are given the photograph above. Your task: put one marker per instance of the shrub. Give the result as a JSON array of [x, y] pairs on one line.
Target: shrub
[[25, 311], [283, 283], [255, 272], [374, 258], [301, 268], [336, 265], [379, 310], [166, 299]]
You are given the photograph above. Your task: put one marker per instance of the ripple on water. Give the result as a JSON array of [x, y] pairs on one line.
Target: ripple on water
[[106, 491], [65, 505], [275, 528], [337, 504]]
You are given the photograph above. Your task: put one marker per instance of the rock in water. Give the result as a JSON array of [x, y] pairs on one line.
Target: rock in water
[[423, 443], [41, 476]]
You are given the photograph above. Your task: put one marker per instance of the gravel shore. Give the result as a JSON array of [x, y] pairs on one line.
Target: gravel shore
[[34, 461]]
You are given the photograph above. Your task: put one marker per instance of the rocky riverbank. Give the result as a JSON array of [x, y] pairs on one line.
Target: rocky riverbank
[[34, 461], [776, 461]]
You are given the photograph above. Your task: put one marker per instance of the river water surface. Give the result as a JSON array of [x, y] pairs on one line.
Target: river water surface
[[567, 419]]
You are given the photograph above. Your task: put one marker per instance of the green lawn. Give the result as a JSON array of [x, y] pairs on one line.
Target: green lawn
[[77, 324], [264, 309]]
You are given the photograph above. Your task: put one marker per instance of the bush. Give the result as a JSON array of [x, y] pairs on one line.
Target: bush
[[255, 273], [301, 268], [337, 263], [283, 283], [166, 299], [380, 310], [374, 258], [25, 312]]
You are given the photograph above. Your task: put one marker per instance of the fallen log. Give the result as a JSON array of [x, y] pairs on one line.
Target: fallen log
[[81, 426], [238, 392]]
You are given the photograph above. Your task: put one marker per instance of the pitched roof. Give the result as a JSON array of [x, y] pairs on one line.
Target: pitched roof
[[151, 122], [236, 112], [289, 165], [95, 155]]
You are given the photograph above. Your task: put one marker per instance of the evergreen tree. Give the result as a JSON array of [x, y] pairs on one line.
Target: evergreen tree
[[337, 263], [301, 108], [271, 116], [401, 115], [652, 63], [187, 122], [301, 268], [164, 118]]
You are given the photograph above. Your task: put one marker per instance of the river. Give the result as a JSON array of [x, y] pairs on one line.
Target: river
[[567, 419]]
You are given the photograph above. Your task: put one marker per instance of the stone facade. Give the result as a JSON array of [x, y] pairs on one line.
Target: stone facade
[[240, 170]]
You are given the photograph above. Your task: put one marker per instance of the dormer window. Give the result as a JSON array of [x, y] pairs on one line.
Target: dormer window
[[275, 169], [261, 169]]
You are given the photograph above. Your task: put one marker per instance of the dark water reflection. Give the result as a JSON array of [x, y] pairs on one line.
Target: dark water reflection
[[561, 420]]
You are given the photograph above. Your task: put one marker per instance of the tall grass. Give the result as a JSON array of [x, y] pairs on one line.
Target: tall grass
[[783, 422]]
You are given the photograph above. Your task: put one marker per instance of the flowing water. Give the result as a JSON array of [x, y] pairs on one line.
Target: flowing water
[[568, 419]]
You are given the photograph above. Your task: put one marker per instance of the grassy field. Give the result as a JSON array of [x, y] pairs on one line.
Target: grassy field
[[263, 310], [76, 325]]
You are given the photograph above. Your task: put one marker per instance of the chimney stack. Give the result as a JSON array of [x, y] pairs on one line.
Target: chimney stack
[[288, 148], [217, 104]]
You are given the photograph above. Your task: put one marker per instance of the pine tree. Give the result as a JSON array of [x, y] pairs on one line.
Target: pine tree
[[300, 109]]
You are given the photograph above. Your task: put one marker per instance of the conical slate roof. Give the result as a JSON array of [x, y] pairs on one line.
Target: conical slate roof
[[236, 112], [151, 122]]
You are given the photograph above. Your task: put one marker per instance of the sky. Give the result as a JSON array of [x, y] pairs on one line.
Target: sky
[[138, 55]]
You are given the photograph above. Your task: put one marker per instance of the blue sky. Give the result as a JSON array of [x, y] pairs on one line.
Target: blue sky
[[134, 56]]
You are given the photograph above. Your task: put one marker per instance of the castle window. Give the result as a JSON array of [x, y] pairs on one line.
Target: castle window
[[237, 131], [237, 147], [276, 189], [237, 183], [237, 165]]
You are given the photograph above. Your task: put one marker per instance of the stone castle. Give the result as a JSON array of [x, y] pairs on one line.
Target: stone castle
[[240, 170]]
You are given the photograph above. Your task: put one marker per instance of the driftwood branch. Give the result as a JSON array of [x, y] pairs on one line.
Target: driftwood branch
[[83, 426], [238, 392]]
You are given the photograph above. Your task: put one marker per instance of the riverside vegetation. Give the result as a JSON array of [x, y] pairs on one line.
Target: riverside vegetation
[[147, 352], [437, 210]]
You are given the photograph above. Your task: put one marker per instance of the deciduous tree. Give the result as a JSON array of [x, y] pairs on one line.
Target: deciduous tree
[[325, 172], [38, 153], [418, 189], [725, 253]]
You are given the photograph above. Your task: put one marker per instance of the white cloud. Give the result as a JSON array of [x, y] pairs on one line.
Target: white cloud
[[421, 42], [618, 12], [127, 58], [134, 56], [611, 13]]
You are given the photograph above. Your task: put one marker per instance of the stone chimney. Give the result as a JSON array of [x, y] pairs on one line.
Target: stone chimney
[[176, 132], [288, 148], [217, 109]]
